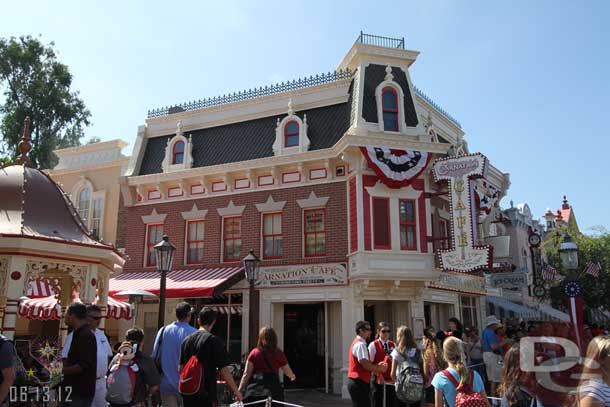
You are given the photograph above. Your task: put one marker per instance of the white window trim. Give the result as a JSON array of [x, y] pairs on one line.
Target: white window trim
[[303, 246], [401, 107], [187, 162], [271, 206], [147, 227], [195, 214], [231, 210], [154, 217], [186, 237], [101, 194], [278, 146], [81, 185], [222, 236], [313, 201]]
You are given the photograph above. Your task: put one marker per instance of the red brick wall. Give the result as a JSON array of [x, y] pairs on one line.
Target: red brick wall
[[292, 223]]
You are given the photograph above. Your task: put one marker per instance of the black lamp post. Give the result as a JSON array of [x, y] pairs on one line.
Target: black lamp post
[[251, 262], [164, 252]]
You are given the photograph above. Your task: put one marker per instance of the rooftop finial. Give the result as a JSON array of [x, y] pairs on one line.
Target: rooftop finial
[[565, 203], [25, 145], [388, 73], [290, 109]]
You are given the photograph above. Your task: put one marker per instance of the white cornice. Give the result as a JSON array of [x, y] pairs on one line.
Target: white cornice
[[271, 205], [313, 201], [88, 148], [154, 217], [195, 213], [118, 163], [396, 55], [231, 210]]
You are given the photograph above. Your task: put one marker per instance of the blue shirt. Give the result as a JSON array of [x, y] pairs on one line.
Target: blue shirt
[[442, 383], [173, 335], [489, 337]]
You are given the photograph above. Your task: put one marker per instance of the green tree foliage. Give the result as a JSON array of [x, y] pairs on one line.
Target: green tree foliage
[[37, 85], [591, 248]]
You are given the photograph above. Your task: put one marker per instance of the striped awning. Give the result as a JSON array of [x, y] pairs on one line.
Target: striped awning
[[518, 309], [43, 287], [46, 308], [191, 283], [226, 309], [116, 309]]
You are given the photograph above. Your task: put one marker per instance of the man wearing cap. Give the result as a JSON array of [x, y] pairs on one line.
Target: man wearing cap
[[492, 351]]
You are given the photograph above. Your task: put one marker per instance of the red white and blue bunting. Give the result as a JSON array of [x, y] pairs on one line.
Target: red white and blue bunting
[[486, 195], [396, 168]]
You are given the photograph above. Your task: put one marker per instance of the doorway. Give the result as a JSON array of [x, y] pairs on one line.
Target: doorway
[[304, 343]]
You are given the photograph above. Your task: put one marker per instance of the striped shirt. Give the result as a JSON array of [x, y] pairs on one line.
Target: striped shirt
[[597, 389]]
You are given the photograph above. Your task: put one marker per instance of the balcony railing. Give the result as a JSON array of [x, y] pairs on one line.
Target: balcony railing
[[379, 41], [253, 93]]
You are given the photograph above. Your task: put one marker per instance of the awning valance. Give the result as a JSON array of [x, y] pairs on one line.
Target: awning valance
[[507, 305], [191, 283], [553, 313], [48, 308], [226, 309]]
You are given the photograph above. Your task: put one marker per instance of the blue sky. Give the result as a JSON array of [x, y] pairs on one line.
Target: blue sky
[[527, 80]]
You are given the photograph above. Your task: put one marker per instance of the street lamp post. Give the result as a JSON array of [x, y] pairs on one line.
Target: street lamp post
[[251, 262], [135, 298], [568, 252], [164, 252]]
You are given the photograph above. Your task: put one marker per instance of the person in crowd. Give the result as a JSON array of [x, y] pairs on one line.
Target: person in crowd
[[594, 389], [433, 361], [446, 382], [474, 351], [501, 334], [262, 366], [491, 352], [379, 351], [212, 354], [455, 329], [8, 372], [104, 353], [517, 388], [406, 348], [360, 367], [587, 336], [148, 375], [80, 366], [166, 353], [596, 330]]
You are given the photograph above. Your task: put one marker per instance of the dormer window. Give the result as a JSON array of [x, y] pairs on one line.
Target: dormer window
[[390, 109], [178, 153], [291, 134]]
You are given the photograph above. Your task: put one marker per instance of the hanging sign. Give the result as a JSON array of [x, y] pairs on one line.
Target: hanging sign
[[508, 280], [302, 276], [396, 168], [460, 172]]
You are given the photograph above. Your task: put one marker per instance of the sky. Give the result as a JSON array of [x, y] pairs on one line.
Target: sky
[[528, 80]]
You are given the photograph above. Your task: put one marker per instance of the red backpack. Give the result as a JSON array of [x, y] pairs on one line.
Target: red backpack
[[191, 375], [466, 396]]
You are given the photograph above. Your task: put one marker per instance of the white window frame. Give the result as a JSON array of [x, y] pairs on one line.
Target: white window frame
[[186, 240], [80, 186]]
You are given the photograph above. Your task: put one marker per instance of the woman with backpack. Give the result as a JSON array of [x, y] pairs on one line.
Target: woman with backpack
[[407, 370], [458, 386], [260, 379], [433, 362]]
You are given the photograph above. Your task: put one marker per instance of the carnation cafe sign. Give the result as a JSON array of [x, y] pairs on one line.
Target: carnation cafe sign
[[302, 276], [460, 171]]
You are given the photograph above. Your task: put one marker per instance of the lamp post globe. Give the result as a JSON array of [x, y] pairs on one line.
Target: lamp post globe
[[251, 262], [568, 251], [164, 255]]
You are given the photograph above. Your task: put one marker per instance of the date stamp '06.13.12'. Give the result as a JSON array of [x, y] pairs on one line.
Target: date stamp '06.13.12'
[[39, 395]]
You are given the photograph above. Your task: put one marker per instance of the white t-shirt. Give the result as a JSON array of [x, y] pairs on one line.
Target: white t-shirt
[[104, 351], [399, 358], [373, 349], [597, 389], [359, 350]]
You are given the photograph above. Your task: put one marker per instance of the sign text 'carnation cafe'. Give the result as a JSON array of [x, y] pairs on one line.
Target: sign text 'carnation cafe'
[[460, 171]]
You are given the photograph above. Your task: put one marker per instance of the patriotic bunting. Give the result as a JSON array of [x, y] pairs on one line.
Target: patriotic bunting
[[550, 273], [593, 269], [396, 168]]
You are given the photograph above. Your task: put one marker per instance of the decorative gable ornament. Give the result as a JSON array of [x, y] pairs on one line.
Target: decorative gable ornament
[[396, 168], [279, 147], [460, 172], [187, 161]]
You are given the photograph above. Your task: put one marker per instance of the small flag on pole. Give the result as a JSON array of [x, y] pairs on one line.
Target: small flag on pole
[[549, 272], [593, 269]]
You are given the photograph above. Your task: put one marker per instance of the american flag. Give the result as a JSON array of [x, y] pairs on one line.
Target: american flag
[[593, 269], [549, 272]]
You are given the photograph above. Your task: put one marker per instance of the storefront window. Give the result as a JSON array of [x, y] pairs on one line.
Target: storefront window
[[469, 311]]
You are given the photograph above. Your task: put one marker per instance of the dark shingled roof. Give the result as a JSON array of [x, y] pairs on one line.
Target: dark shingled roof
[[250, 140], [373, 76]]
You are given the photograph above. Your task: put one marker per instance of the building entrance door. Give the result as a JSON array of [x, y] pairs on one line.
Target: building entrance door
[[304, 343]]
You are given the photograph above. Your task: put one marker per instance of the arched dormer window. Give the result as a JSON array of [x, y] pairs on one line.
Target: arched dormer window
[[291, 134], [178, 153], [84, 201], [89, 204], [389, 107]]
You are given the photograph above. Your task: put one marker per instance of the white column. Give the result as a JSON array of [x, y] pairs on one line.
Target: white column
[[14, 290]]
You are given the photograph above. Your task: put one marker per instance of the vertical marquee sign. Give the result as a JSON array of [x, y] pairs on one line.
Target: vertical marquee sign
[[459, 171]]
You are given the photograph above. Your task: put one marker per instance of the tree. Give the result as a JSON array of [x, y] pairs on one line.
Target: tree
[[591, 248], [37, 85]]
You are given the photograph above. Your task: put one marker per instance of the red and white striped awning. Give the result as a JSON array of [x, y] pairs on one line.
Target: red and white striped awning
[[116, 309], [43, 287], [225, 309], [46, 308], [192, 283]]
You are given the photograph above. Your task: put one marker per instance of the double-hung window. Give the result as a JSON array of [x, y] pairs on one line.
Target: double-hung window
[[408, 224], [154, 234], [272, 235], [315, 232], [195, 232], [381, 223], [389, 102], [232, 238]]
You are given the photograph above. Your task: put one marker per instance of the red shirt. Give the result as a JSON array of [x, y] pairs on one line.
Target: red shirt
[[276, 359]]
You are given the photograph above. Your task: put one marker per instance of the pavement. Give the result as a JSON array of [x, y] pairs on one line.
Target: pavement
[[315, 398]]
